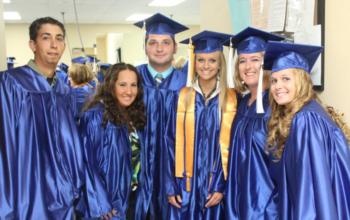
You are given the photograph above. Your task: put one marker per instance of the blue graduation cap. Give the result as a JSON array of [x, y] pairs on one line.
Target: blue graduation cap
[[160, 24], [84, 60], [208, 41], [252, 40], [80, 60], [282, 55], [104, 66], [91, 59]]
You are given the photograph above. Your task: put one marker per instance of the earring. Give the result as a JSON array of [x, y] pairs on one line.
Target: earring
[[242, 82]]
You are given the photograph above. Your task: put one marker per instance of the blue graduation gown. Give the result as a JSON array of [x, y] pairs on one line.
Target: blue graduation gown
[[100, 77], [42, 164], [81, 95], [151, 195], [62, 76], [109, 151], [313, 175], [249, 189], [206, 164]]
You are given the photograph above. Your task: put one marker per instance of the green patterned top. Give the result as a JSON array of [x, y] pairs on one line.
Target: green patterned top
[[135, 158]]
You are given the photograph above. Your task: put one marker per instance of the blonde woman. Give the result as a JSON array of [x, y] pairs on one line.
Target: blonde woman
[[310, 152], [249, 186], [79, 76], [197, 140]]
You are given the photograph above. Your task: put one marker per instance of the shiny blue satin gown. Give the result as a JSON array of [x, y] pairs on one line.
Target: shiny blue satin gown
[[249, 192], [42, 161], [81, 95], [151, 194], [313, 175], [208, 174], [109, 151], [62, 76]]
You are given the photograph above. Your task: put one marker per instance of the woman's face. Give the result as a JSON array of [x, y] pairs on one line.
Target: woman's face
[[207, 65], [249, 66], [283, 87], [126, 88]]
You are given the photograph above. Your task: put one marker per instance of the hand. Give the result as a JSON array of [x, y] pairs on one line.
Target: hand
[[175, 201], [214, 199], [109, 215]]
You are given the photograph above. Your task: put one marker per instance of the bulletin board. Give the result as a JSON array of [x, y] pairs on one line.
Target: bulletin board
[[300, 21]]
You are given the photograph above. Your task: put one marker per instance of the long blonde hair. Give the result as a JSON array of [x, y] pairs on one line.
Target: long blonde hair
[[282, 115], [223, 81]]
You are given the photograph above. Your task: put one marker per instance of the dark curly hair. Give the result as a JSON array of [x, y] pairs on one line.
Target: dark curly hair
[[134, 115]]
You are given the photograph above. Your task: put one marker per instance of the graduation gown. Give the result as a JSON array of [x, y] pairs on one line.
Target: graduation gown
[[249, 189], [42, 162], [109, 151], [81, 95], [313, 175], [62, 76], [151, 195], [208, 174], [100, 77]]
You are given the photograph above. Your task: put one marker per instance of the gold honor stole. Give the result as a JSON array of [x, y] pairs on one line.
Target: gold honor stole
[[185, 123]]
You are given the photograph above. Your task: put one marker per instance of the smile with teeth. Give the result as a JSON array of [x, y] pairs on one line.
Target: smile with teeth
[[250, 73], [280, 94], [127, 97]]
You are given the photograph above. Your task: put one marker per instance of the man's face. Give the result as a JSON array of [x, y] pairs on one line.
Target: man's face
[[160, 49], [48, 46]]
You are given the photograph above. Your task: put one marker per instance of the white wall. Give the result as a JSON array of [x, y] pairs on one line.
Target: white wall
[[17, 38], [337, 46], [3, 63]]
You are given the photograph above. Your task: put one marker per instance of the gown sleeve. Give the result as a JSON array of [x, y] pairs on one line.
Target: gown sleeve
[[96, 200], [218, 183], [169, 153]]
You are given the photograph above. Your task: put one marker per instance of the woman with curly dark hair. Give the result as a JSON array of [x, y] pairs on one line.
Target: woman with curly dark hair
[[111, 128]]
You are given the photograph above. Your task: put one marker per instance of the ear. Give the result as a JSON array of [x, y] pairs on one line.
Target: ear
[[32, 45], [175, 48]]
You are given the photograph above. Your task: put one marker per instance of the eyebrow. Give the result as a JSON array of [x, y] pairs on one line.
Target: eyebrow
[[155, 40], [49, 34]]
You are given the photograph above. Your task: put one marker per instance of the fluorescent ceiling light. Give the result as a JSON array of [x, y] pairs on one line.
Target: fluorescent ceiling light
[[165, 3], [12, 15], [6, 1], [138, 17]]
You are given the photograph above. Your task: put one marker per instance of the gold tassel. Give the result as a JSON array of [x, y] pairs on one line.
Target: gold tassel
[[188, 184], [190, 70]]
